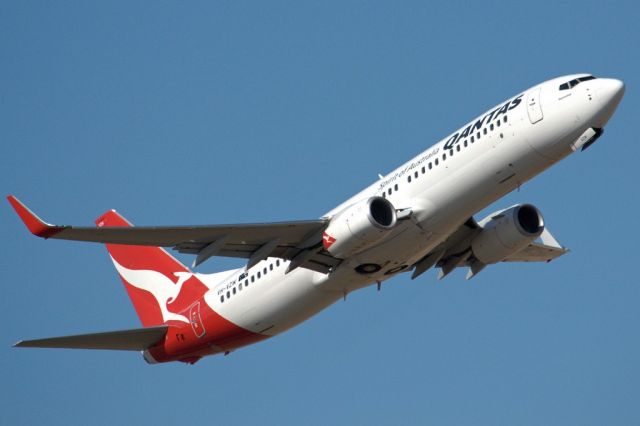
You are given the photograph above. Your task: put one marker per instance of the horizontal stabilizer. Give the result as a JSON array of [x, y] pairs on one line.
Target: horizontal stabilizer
[[137, 339]]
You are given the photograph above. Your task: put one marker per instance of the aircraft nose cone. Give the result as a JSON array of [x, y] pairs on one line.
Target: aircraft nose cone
[[609, 93]]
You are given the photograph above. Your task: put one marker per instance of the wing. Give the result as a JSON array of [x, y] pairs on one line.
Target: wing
[[137, 339], [456, 252], [299, 241], [545, 251]]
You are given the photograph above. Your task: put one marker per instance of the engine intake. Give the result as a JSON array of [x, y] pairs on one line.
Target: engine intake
[[506, 232], [359, 227]]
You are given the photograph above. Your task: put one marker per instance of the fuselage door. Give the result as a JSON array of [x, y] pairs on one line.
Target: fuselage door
[[196, 320], [534, 109]]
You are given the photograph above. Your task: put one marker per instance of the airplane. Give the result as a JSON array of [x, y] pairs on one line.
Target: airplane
[[418, 217]]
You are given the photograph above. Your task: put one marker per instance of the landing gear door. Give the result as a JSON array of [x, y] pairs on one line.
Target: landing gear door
[[534, 109]]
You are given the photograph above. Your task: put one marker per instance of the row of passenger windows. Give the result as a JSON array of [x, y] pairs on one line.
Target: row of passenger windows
[[436, 162], [250, 280]]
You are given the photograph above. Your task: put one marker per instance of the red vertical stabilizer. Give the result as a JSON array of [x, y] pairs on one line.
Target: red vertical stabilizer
[[160, 287]]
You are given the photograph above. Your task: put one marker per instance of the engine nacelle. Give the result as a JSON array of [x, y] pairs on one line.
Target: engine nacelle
[[359, 227], [507, 232]]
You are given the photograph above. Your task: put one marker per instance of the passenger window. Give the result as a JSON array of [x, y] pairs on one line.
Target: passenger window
[[234, 290], [271, 267], [436, 161], [222, 299], [246, 283], [240, 287], [416, 174], [228, 294], [484, 130], [409, 178], [390, 191], [504, 118], [430, 166], [253, 279], [451, 153], [278, 262], [477, 136], [491, 127], [458, 147], [444, 157], [395, 186], [498, 123], [264, 271], [423, 170]]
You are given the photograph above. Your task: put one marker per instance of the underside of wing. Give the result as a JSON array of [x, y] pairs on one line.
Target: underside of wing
[[297, 241], [137, 339], [457, 252], [536, 252], [545, 250]]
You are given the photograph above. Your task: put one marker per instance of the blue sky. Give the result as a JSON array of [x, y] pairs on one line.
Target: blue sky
[[187, 113]]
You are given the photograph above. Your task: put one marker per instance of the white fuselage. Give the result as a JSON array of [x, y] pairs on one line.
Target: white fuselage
[[515, 141]]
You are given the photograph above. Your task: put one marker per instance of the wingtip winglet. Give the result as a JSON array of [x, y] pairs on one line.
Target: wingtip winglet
[[34, 224]]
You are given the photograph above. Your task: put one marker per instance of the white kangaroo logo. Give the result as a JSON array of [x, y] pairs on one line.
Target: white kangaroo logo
[[162, 288]]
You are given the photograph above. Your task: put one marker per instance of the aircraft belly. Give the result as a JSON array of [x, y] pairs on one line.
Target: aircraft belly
[[276, 304], [396, 255]]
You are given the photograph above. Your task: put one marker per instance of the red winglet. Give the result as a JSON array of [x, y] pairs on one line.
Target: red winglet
[[35, 225]]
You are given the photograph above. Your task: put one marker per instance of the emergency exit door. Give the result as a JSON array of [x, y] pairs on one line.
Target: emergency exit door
[[534, 109]]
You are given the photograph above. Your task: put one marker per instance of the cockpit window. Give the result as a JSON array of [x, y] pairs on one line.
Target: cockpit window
[[573, 83]]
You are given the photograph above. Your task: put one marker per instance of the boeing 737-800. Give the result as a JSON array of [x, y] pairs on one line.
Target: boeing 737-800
[[415, 218]]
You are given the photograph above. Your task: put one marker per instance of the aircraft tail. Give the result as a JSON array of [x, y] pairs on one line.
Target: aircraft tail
[[159, 286]]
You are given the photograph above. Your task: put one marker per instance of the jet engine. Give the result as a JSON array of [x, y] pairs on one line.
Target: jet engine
[[359, 227], [506, 232]]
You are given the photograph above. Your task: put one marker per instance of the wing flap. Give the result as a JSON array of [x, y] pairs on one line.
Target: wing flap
[[137, 339], [536, 252]]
